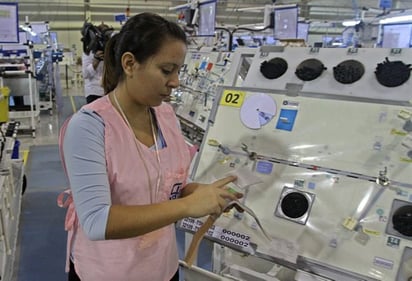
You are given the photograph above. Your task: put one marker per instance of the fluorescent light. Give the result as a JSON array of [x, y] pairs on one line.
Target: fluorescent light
[[322, 24], [350, 22], [251, 25], [191, 4], [405, 18], [250, 9], [179, 7]]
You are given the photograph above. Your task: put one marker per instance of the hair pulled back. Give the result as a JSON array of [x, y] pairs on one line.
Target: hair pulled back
[[143, 35]]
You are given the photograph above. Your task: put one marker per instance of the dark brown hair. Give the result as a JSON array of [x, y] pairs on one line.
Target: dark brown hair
[[143, 35]]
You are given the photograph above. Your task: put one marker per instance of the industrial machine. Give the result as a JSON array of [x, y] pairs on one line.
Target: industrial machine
[[321, 143]]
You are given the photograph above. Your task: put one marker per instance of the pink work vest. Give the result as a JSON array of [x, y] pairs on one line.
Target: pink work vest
[[153, 256]]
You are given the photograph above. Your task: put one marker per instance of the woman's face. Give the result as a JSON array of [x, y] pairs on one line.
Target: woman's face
[[154, 79]]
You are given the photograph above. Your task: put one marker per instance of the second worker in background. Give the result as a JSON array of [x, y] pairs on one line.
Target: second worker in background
[[92, 58]]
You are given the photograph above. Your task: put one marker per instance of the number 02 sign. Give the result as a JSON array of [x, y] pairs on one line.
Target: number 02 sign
[[232, 98]]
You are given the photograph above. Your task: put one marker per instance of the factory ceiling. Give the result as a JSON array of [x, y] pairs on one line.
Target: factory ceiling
[[71, 14]]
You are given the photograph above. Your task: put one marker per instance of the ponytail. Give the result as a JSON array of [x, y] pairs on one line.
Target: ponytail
[[111, 74]]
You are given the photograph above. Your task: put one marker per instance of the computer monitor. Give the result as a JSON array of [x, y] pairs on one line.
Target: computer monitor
[[303, 31], [53, 37], [397, 35], [349, 37], [185, 16], [207, 18], [39, 27], [38, 32], [9, 21], [286, 22]]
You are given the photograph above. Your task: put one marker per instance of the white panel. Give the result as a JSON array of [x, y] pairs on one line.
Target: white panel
[[344, 163], [366, 87]]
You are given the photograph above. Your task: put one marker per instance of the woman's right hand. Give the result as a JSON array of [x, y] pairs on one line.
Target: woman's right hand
[[210, 199]]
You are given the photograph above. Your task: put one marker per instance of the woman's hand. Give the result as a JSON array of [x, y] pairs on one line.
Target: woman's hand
[[210, 199]]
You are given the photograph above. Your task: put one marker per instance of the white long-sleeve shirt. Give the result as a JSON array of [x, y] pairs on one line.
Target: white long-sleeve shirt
[[92, 78]]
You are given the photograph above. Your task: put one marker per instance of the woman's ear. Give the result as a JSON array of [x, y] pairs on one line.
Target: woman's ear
[[128, 62]]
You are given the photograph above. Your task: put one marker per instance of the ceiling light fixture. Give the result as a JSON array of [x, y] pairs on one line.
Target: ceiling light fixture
[[405, 18], [348, 23]]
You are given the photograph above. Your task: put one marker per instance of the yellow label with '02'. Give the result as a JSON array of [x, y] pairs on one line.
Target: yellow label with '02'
[[232, 98]]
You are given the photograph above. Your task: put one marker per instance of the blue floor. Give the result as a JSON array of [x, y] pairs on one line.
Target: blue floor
[[41, 246], [42, 237]]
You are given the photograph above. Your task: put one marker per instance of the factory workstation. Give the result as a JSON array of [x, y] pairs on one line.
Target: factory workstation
[[206, 140]]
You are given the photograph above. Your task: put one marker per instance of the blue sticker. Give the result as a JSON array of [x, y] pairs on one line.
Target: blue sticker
[[120, 18], [264, 167], [311, 185], [286, 119], [385, 4]]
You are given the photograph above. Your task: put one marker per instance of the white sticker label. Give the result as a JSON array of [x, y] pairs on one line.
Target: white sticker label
[[381, 262], [227, 236], [191, 224], [232, 237]]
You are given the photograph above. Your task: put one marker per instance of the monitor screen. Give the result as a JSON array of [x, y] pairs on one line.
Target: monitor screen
[[286, 22], [397, 35], [9, 23], [207, 18], [185, 16], [53, 38], [38, 33], [349, 37], [39, 28], [303, 31]]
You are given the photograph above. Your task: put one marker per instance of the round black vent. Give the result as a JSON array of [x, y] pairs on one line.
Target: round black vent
[[274, 68], [348, 72], [294, 205], [402, 220], [392, 73], [309, 69]]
